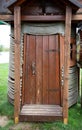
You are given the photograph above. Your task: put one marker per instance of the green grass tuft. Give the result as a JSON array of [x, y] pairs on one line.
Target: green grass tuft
[[5, 107]]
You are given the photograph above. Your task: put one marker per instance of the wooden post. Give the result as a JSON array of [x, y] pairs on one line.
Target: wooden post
[[66, 62], [17, 37]]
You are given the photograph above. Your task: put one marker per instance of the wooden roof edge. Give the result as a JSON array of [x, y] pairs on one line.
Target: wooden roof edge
[[76, 3], [9, 3], [12, 2]]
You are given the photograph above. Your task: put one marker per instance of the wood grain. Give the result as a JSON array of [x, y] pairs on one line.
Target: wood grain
[[45, 69], [32, 85], [66, 61], [17, 30], [61, 40], [43, 87], [41, 113], [76, 17], [39, 81]]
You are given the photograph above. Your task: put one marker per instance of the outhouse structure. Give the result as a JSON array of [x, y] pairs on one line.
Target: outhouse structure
[[43, 77]]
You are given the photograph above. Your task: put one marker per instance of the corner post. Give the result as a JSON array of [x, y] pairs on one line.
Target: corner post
[[66, 62], [17, 40]]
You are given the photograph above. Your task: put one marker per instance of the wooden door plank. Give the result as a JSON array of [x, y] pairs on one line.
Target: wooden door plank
[[17, 36], [32, 69], [24, 69], [61, 65], [57, 70], [28, 76], [45, 69], [52, 71], [66, 62], [27, 73], [39, 69]]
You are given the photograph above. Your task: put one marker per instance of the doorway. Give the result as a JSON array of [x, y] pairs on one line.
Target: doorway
[[41, 70]]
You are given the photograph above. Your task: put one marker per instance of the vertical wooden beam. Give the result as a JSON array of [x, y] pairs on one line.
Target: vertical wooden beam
[[17, 36], [66, 62]]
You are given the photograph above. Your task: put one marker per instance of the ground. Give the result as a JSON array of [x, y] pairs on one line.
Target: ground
[[22, 126], [3, 121]]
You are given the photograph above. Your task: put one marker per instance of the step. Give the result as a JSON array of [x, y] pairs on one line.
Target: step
[[36, 112]]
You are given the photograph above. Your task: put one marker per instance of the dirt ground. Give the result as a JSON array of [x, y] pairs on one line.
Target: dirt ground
[[21, 126], [3, 121], [24, 126]]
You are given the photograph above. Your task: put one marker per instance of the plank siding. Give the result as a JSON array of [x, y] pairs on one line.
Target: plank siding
[[57, 70], [52, 70], [39, 82], [45, 69], [32, 85]]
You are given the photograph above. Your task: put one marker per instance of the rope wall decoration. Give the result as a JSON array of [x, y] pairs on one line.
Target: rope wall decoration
[[11, 78]]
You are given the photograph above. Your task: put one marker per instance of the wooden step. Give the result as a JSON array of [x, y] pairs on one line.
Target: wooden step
[[41, 113]]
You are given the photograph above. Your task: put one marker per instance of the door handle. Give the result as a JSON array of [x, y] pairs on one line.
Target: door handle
[[33, 68]]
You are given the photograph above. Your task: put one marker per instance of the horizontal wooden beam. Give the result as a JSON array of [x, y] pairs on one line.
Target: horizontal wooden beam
[[77, 17], [7, 17], [44, 18]]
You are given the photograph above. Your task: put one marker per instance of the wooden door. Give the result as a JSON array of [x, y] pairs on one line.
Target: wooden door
[[41, 70]]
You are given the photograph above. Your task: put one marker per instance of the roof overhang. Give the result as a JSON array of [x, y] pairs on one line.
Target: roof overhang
[[19, 2]]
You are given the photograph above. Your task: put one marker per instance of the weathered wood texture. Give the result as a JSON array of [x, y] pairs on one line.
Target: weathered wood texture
[[61, 40], [17, 30], [73, 76], [41, 113], [41, 67], [66, 61], [40, 7], [73, 52], [76, 17], [73, 90]]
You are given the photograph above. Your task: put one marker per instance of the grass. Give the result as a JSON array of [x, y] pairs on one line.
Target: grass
[[75, 112], [5, 107]]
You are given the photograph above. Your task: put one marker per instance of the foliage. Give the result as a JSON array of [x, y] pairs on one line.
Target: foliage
[[2, 48], [5, 107]]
